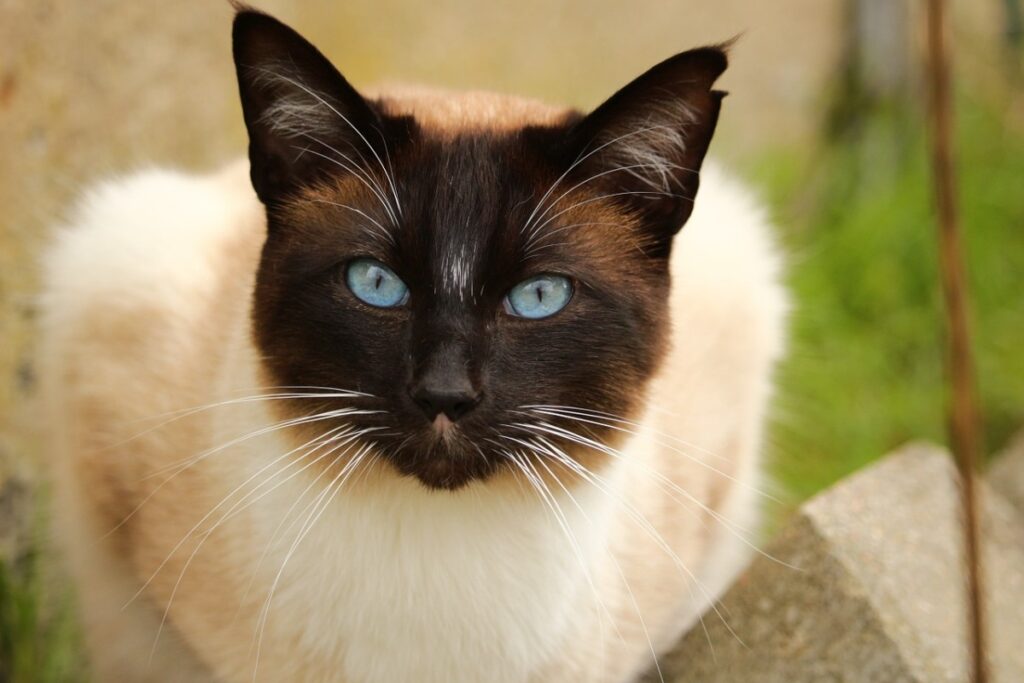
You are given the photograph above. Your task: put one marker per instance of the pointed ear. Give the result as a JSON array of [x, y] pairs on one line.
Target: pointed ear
[[644, 146], [303, 117]]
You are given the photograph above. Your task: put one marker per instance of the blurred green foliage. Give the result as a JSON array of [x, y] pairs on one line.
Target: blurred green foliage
[[865, 368], [39, 639]]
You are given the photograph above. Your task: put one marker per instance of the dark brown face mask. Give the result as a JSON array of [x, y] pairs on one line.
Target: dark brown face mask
[[462, 280]]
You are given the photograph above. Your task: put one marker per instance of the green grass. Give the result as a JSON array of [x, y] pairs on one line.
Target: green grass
[[865, 370], [38, 634]]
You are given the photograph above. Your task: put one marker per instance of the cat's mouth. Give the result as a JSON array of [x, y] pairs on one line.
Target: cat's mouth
[[445, 459], [449, 474]]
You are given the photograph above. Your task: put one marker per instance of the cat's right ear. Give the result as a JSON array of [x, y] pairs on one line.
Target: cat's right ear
[[644, 145], [303, 117]]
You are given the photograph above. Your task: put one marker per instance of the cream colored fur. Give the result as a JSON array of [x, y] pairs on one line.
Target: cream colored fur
[[147, 311]]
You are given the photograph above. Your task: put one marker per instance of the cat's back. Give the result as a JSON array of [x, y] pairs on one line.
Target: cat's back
[[727, 269]]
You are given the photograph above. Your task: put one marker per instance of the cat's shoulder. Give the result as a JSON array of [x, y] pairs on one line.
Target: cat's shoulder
[[730, 230], [152, 230], [728, 269]]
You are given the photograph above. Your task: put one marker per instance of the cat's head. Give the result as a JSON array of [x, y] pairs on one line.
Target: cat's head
[[491, 276]]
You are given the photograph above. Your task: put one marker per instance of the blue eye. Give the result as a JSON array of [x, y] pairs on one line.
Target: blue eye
[[375, 284], [539, 296]]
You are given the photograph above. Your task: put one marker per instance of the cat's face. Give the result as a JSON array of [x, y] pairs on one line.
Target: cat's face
[[493, 294]]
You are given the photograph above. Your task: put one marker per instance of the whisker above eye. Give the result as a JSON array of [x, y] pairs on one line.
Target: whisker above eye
[[380, 230], [538, 243], [610, 195], [601, 174], [312, 93], [362, 175], [579, 160], [384, 231]]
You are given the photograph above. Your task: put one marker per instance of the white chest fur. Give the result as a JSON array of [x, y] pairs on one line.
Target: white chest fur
[[398, 583]]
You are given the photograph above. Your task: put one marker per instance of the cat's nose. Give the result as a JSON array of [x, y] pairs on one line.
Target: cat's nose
[[452, 399]]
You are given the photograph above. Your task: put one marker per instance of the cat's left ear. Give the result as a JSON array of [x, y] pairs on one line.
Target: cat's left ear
[[644, 146], [304, 119]]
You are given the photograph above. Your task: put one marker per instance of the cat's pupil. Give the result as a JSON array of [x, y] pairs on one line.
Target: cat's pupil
[[540, 293], [380, 279]]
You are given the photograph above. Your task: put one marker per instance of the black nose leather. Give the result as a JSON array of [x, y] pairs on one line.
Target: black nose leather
[[454, 400]]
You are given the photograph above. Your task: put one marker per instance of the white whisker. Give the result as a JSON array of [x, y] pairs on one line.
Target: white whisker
[[641, 520], [183, 465], [205, 517], [563, 523], [618, 169], [537, 244], [618, 567], [182, 413], [328, 494], [330, 437], [738, 531], [284, 518], [611, 195], [344, 118], [380, 229], [660, 437], [579, 160], [363, 175]]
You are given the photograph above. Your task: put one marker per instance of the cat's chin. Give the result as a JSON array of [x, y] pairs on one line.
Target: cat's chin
[[443, 476], [443, 470]]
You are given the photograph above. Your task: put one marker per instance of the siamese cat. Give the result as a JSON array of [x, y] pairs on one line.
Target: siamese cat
[[433, 388]]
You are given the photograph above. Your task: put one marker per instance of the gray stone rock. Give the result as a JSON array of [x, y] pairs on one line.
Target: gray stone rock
[[1007, 472], [867, 584]]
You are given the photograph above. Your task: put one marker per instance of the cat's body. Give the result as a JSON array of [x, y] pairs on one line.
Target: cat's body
[[148, 310]]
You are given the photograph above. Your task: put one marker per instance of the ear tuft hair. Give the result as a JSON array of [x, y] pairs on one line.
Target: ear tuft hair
[[644, 146]]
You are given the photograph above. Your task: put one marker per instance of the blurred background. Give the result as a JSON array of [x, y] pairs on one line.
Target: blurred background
[[825, 119]]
